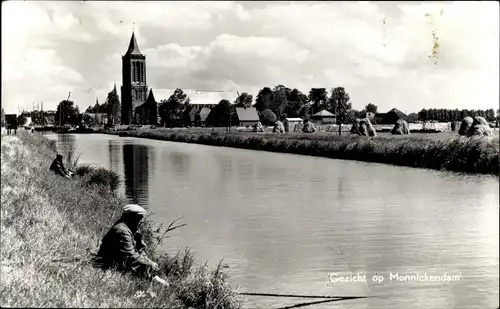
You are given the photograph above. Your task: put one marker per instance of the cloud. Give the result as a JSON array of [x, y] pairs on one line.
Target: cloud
[[379, 51]]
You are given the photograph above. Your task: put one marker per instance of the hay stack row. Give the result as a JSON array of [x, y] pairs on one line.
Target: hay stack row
[[477, 126]]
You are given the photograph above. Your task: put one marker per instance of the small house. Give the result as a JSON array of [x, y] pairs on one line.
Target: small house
[[201, 116], [247, 116], [290, 123], [391, 117], [323, 116]]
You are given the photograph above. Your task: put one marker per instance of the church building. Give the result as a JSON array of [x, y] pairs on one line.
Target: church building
[[134, 89]]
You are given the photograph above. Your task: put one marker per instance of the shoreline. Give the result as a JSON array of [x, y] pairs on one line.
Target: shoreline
[[51, 226], [469, 155]]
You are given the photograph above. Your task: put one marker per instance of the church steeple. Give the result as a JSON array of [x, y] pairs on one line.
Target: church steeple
[[151, 96], [134, 89], [133, 47]]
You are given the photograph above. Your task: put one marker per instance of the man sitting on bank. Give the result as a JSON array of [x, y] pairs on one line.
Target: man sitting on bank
[[57, 167], [123, 248]]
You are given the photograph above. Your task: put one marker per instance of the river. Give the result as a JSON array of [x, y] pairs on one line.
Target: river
[[284, 223]]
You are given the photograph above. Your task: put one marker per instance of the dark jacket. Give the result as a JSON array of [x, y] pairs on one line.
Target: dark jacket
[[125, 250], [58, 168]]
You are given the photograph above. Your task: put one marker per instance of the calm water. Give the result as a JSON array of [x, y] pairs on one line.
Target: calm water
[[285, 222]]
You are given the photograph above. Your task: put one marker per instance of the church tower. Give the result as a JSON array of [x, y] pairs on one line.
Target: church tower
[[134, 86]]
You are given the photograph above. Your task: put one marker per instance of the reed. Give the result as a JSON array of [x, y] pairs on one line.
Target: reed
[[50, 227], [461, 154]]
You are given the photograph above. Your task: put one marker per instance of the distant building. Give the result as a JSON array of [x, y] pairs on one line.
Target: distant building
[[148, 112], [391, 117], [134, 84], [201, 116], [95, 118], [134, 93], [200, 98], [115, 116], [191, 113], [290, 123], [324, 116], [247, 116]]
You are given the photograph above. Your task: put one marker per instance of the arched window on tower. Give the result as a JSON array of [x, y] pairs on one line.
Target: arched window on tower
[[133, 71], [142, 72], [137, 72]]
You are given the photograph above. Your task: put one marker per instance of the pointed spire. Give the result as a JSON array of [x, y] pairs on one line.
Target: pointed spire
[[114, 88], [133, 48], [151, 95]]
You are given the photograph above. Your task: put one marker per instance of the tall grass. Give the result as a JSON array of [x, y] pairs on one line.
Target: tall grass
[[50, 227], [474, 155]]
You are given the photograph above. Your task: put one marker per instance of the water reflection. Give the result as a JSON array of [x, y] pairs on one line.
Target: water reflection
[[114, 155], [66, 145], [136, 172]]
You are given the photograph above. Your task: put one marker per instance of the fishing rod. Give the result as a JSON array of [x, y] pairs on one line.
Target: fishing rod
[[301, 296], [311, 303]]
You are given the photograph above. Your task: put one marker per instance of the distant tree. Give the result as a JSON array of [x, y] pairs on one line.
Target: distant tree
[[97, 108], [67, 113], [296, 101], [464, 113], [279, 100], [413, 117], [371, 108], [341, 97], [263, 100], [267, 117], [244, 100], [173, 108], [223, 114], [319, 99]]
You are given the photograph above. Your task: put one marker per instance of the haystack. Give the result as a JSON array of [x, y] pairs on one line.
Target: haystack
[[258, 127], [401, 128], [480, 127], [298, 128], [279, 127], [365, 127], [477, 126], [465, 125], [309, 127]]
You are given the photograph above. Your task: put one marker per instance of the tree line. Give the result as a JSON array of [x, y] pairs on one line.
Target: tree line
[[272, 104], [448, 115], [276, 103]]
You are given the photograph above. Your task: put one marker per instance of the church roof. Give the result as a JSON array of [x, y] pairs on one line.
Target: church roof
[[324, 113], [133, 48], [200, 97], [151, 96]]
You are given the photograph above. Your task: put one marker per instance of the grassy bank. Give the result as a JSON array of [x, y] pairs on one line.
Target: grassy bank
[[50, 225], [473, 155]]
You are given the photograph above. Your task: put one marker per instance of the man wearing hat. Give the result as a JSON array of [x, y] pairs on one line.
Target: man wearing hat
[[57, 167], [123, 248]]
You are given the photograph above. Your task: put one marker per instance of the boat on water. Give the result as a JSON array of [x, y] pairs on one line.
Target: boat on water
[[81, 129]]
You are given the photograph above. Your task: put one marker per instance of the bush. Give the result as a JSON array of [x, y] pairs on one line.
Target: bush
[[267, 117], [104, 178]]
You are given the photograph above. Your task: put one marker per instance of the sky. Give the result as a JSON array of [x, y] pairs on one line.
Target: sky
[[380, 52]]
